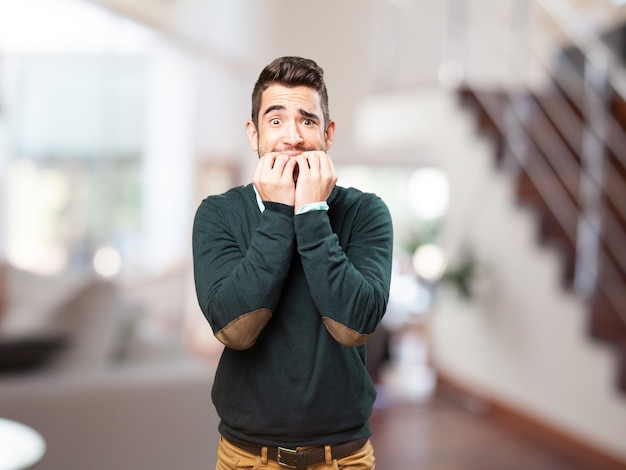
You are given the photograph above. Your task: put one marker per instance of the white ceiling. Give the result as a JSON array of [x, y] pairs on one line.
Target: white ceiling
[[369, 48]]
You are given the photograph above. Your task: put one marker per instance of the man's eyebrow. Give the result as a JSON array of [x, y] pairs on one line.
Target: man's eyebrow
[[309, 115], [276, 107], [280, 107]]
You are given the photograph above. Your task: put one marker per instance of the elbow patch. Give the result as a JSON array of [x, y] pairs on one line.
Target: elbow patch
[[242, 332], [344, 335]]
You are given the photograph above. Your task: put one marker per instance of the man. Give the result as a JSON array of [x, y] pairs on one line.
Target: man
[[292, 272]]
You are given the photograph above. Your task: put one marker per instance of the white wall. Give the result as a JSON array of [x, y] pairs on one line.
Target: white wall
[[523, 339], [168, 160]]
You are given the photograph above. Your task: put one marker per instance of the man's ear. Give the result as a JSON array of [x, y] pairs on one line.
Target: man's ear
[[253, 136], [330, 132]]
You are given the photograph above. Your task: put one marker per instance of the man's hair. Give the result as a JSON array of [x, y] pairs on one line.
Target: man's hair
[[290, 72]]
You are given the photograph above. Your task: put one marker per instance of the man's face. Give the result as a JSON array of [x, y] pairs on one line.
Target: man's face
[[290, 122]]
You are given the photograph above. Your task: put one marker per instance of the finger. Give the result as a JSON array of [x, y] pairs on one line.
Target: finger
[[314, 162], [280, 162], [319, 162], [326, 164], [286, 167], [303, 163], [270, 160], [258, 170]]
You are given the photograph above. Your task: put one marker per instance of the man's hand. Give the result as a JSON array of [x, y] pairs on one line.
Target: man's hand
[[316, 178], [273, 178]]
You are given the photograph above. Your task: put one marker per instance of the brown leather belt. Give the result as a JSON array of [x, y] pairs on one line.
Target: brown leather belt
[[300, 459]]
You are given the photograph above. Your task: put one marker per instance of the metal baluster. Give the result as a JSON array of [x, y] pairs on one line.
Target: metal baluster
[[596, 73], [516, 107]]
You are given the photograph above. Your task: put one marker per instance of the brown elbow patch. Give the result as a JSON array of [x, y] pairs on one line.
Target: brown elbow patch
[[242, 332], [344, 335]]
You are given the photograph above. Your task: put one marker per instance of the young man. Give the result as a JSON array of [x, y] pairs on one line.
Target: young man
[[292, 272]]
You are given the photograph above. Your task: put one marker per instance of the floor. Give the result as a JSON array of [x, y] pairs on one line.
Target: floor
[[424, 424], [442, 434], [419, 426]]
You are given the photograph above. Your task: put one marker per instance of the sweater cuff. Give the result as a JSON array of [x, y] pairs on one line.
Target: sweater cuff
[[312, 227], [278, 207]]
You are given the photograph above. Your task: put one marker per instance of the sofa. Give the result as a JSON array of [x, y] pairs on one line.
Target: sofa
[[78, 366]]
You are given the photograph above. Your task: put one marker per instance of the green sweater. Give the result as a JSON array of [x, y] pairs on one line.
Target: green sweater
[[294, 299]]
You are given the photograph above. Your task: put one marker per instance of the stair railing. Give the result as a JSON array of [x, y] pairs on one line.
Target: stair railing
[[604, 73]]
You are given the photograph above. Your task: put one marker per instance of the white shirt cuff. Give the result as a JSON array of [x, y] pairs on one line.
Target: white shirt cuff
[[313, 206]]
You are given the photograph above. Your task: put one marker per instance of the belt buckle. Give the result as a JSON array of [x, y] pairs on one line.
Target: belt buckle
[[291, 453]]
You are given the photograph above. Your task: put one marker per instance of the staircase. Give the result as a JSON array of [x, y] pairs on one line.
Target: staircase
[[565, 146]]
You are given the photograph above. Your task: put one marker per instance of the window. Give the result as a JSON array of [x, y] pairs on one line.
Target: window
[[72, 122]]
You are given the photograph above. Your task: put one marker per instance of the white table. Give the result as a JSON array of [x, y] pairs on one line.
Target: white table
[[20, 446]]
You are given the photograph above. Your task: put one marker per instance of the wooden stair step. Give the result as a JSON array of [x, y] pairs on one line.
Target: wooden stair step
[[606, 323], [548, 180]]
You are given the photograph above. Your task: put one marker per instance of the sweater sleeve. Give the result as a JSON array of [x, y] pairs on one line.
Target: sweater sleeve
[[350, 284], [237, 288]]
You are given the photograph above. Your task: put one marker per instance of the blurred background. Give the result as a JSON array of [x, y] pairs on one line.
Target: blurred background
[[493, 129]]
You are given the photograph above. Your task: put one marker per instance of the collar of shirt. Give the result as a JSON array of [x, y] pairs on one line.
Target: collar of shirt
[[258, 199]]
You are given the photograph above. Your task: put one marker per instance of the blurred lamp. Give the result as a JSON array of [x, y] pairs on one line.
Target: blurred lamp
[[107, 261], [429, 262], [428, 193]]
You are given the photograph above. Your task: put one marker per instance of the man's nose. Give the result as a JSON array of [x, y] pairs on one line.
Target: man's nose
[[292, 135]]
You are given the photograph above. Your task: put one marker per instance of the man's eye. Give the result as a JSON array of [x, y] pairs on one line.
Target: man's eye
[[308, 122], [275, 121]]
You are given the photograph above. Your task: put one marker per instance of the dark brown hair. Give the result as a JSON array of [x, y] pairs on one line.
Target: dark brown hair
[[290, 72]]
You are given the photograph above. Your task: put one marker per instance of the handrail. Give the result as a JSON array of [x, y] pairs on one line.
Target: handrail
[[605, 134], [583, 35], [597, 119], [557, 200], [567, 122]]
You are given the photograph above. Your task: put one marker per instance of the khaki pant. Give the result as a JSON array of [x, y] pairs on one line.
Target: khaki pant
[[230, 457]]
